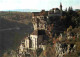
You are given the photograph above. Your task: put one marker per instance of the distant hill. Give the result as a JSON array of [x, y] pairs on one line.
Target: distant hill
[[24, 10]]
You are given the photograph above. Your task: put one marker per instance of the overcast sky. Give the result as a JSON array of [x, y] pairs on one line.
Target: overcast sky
[[37, 4]]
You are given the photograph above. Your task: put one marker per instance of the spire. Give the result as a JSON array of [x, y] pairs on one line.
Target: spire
[[61, 7], [60, 4]]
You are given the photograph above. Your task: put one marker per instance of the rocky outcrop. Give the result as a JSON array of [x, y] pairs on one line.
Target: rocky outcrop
[[63, 49]]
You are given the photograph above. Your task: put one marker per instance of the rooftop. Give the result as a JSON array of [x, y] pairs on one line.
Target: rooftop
[[42, 13]]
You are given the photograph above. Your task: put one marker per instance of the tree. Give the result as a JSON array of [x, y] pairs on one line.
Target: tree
[[69, 29]]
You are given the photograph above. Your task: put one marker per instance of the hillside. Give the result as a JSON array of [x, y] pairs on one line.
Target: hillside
[[14, 26], [21, 17]]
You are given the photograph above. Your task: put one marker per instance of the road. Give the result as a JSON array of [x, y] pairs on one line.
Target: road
[[17, 28]]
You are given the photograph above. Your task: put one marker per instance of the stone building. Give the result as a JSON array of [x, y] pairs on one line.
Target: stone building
[[37, 38], [39, 20], [55, 11], [25, 45]]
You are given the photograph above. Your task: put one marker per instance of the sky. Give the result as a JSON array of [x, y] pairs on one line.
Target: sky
[[37, 4]]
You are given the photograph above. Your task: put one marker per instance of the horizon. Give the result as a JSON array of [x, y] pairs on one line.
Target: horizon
[[37, 4]]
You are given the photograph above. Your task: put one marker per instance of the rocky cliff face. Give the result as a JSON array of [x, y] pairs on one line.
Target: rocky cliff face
[[63, 49]]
